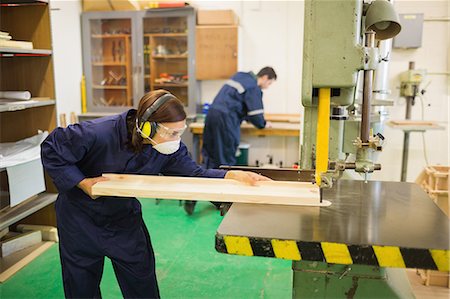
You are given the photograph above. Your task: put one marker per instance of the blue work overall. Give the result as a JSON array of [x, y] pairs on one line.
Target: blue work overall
[[240, 98], [90, 230]]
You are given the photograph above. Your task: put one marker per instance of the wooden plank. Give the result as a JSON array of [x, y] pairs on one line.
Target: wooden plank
[[407, 122], [281, 117], [414, 125], [32, 205], [49, 233], [3, 232], [277, 129], [205, 189], [435, 278], [13, 263], [19, 242]]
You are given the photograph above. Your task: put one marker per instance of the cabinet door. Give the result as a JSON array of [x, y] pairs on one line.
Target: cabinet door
[[166, 54], [108, 62], [216, 52]]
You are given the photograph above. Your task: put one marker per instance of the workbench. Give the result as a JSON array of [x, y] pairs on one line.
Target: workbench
[[368, 229], [284, 129]]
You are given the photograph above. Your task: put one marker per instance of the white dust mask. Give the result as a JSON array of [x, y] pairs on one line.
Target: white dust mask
[[168, 147]]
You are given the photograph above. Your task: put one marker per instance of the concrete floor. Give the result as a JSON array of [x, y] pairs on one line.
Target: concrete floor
[[187, 264]]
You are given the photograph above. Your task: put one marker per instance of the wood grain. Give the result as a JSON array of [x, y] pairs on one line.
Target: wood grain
[[13, 263], [19, 242], [277, 129], [282, 117], [205, 189], [414, 125], [216, 52], [413, 122]]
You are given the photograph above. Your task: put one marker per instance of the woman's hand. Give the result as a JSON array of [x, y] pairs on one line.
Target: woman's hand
[[86, 185], [245, 177]]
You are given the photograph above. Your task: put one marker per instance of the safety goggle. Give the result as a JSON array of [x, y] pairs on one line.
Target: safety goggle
[[170, 133]]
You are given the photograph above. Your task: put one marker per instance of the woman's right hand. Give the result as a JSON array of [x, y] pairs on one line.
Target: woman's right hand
[[87, 183], [246, 177]]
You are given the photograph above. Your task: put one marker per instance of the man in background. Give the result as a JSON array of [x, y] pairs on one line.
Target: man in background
[[239, 99]]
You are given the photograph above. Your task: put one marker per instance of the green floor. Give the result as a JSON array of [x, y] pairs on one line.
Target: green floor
[[187, 264]]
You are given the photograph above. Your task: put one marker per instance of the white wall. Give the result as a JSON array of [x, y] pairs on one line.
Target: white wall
[[434, 57], [67, 56]]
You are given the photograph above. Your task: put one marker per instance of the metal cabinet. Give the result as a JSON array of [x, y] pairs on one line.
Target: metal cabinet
[[129, 53]]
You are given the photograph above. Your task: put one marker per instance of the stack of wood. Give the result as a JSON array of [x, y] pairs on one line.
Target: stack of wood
[[434, 179], [19, 248], [434, 278], [6, 41]]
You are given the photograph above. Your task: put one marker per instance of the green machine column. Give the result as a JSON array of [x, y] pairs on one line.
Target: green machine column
[[332, 56]]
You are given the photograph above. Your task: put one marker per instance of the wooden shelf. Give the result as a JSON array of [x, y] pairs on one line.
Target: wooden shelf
[[12, 263], [15, 105], [165, 35], [12, 215], [110, 35], [124, 87], [96, 114], [22, 2], [170, 85], [24, 52], [109, 64], [414, 125], [169, 56]]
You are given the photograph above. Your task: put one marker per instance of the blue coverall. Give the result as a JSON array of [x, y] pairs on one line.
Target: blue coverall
[[91, 229], [240, 98]]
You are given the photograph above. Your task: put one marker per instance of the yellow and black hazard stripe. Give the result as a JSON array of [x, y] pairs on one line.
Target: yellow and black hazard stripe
[[336, 253]]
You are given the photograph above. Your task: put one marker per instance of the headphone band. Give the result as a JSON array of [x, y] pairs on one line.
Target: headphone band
[[155, 106]]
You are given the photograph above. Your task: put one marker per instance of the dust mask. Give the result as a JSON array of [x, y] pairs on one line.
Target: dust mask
[[168, 147]]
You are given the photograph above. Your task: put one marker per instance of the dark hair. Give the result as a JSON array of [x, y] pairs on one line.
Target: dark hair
[[170, 111], [270, 72]]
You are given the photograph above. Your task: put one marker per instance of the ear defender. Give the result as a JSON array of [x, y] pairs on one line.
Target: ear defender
[[148, 129]]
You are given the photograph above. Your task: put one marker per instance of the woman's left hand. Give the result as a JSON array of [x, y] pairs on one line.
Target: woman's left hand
[[245, 177]]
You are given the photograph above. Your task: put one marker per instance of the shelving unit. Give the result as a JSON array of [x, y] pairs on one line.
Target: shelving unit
[[110, 73], [30, 70], [26, 208], [170, 85], [167, 55], [11, 52], [13, 3], [162, 44], [159, 49], [22, 105], [109, 87]]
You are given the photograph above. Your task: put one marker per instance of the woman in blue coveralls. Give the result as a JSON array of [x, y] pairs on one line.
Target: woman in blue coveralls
[[239, 99], [146, 141]]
